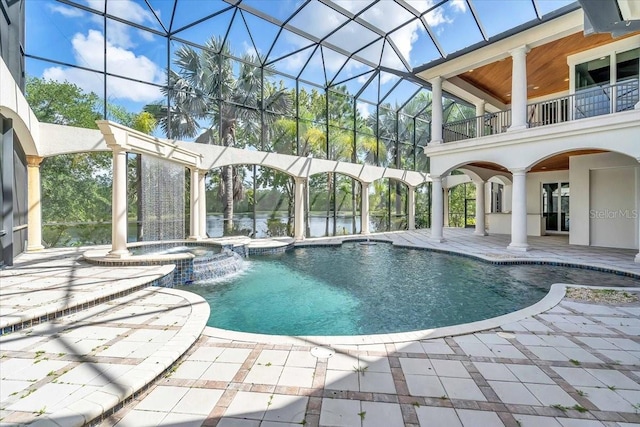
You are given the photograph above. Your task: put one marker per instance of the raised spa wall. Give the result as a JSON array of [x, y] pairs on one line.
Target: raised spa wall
[[189, 268]]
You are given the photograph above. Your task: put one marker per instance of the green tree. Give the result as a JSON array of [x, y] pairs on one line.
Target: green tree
[[76, 188], [206, 93]]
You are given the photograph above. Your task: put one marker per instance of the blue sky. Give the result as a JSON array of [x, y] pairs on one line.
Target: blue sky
[[71, 35]]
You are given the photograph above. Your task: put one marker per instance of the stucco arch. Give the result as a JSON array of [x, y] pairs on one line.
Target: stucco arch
[[577, 151], [25, 132]]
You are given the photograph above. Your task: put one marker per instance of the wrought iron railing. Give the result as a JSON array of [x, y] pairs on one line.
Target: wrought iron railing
[[591, 102]]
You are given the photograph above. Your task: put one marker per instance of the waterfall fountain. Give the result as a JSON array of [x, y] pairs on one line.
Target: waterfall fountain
[[162, 203]]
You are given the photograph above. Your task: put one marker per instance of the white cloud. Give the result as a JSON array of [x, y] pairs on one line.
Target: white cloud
[[458, 5], [88, 51], [363, 109], [67, 12], [118, 33]]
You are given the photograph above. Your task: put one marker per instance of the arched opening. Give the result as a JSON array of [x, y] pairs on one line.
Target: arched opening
[[389, 205], [589, 196], [423, 205], [334, 205], [76, 199], [263, 202]]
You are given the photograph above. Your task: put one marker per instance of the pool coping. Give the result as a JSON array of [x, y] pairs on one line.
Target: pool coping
[[556, 293], [512, 259]]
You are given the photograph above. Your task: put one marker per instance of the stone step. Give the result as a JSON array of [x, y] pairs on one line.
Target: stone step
[[82, 367]]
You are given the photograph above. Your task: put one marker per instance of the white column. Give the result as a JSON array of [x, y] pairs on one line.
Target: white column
[[202, 229], [480, 210], [436, 110], [298, 195], [519, 88], [412, 207], [34, 198], [194, 224], [119, 205], [480, 118], [364, 208], [519, 211], [506, 198], [637, 259], [437, 209], [445, 207]]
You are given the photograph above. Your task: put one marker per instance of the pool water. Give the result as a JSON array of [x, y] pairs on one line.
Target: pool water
[[371, 289]]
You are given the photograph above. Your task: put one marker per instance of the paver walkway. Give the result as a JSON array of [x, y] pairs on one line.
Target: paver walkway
[[575, 365]]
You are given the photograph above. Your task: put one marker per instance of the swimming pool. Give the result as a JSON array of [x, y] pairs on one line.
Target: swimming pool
[[358, 289]]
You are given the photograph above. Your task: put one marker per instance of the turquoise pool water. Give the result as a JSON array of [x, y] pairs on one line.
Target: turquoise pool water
[[370, 289]]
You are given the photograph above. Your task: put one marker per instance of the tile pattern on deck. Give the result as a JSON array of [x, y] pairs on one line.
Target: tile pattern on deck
[[517, 375], [77, 368]]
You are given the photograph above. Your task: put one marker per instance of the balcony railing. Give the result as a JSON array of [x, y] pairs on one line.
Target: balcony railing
[[591, 102]]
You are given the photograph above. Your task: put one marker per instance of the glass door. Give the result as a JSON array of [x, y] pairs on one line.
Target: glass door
[[555, 206]]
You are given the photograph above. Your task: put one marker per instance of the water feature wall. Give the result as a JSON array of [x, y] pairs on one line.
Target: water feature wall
[[162, 199]]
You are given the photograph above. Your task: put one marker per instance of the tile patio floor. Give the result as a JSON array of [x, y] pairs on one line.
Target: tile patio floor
[[577, 364]]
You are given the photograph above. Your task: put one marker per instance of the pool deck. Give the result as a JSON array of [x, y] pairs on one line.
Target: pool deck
[[105, 347]]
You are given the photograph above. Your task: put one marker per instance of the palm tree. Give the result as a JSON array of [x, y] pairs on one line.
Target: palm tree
[[209, 101]]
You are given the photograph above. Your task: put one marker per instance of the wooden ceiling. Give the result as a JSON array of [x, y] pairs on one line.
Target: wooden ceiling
[[547, 68], [555, 163]]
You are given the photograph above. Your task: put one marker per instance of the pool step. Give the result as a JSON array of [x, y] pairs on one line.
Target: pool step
[[36, 293]]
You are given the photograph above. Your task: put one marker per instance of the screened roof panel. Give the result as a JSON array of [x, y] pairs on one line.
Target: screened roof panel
[[323, 42], [386, 15], [354, 6], [373, 52], [448, 34], [263, 33], [352, 70], [190, 11], [286, 44], [391, 59], [317, 19], [498, 16], [352, 36], [281, 10], [547, 6], [201, 32]]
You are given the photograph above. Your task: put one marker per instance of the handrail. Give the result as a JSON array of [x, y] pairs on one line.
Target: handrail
[[585, 103]]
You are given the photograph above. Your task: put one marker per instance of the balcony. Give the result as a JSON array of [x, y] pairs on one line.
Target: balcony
[[586, 103]]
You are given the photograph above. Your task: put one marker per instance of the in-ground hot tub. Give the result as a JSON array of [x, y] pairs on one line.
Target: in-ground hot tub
[[194, 261]]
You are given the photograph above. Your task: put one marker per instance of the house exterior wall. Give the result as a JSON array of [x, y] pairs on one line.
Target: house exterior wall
[[604, 187]]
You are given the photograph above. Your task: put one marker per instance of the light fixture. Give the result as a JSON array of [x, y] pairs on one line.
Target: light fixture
[[603, 58], [471, 70], [543, 167], [536, 87], [566, 79]]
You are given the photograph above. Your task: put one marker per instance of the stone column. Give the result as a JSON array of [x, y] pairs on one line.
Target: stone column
[[194, 223], [34, 214], [119, 205], [202, 229], [445, 207], [364, 208], [519, 88], [411, 201], [437, 210], [298, 194], [519, 211], [480, 118], [480, 210], [436, 110]]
